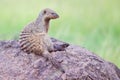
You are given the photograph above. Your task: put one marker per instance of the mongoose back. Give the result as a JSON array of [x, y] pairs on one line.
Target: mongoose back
[[34, 37]]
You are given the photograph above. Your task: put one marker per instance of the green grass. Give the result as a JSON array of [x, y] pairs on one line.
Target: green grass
[[94, 24]]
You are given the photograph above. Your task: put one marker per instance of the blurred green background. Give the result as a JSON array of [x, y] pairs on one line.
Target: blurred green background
[[93, 24]]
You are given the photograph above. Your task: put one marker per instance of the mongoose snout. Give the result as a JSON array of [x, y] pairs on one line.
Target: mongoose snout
[[55, 15]]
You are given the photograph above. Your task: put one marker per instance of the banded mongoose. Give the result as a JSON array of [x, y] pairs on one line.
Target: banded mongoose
[[34, 37]]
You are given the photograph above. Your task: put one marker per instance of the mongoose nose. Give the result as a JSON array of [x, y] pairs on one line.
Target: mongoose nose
[[55, 15]]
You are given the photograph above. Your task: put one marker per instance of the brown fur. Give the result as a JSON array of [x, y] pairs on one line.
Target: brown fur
[[34, 37]]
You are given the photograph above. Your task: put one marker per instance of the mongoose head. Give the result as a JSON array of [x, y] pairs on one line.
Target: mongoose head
[[49, 14]]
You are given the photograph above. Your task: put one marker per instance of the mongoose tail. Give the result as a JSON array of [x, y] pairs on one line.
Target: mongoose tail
[[55, 63]]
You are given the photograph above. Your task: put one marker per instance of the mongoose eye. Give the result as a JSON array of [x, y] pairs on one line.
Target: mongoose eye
[[44, 11]]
